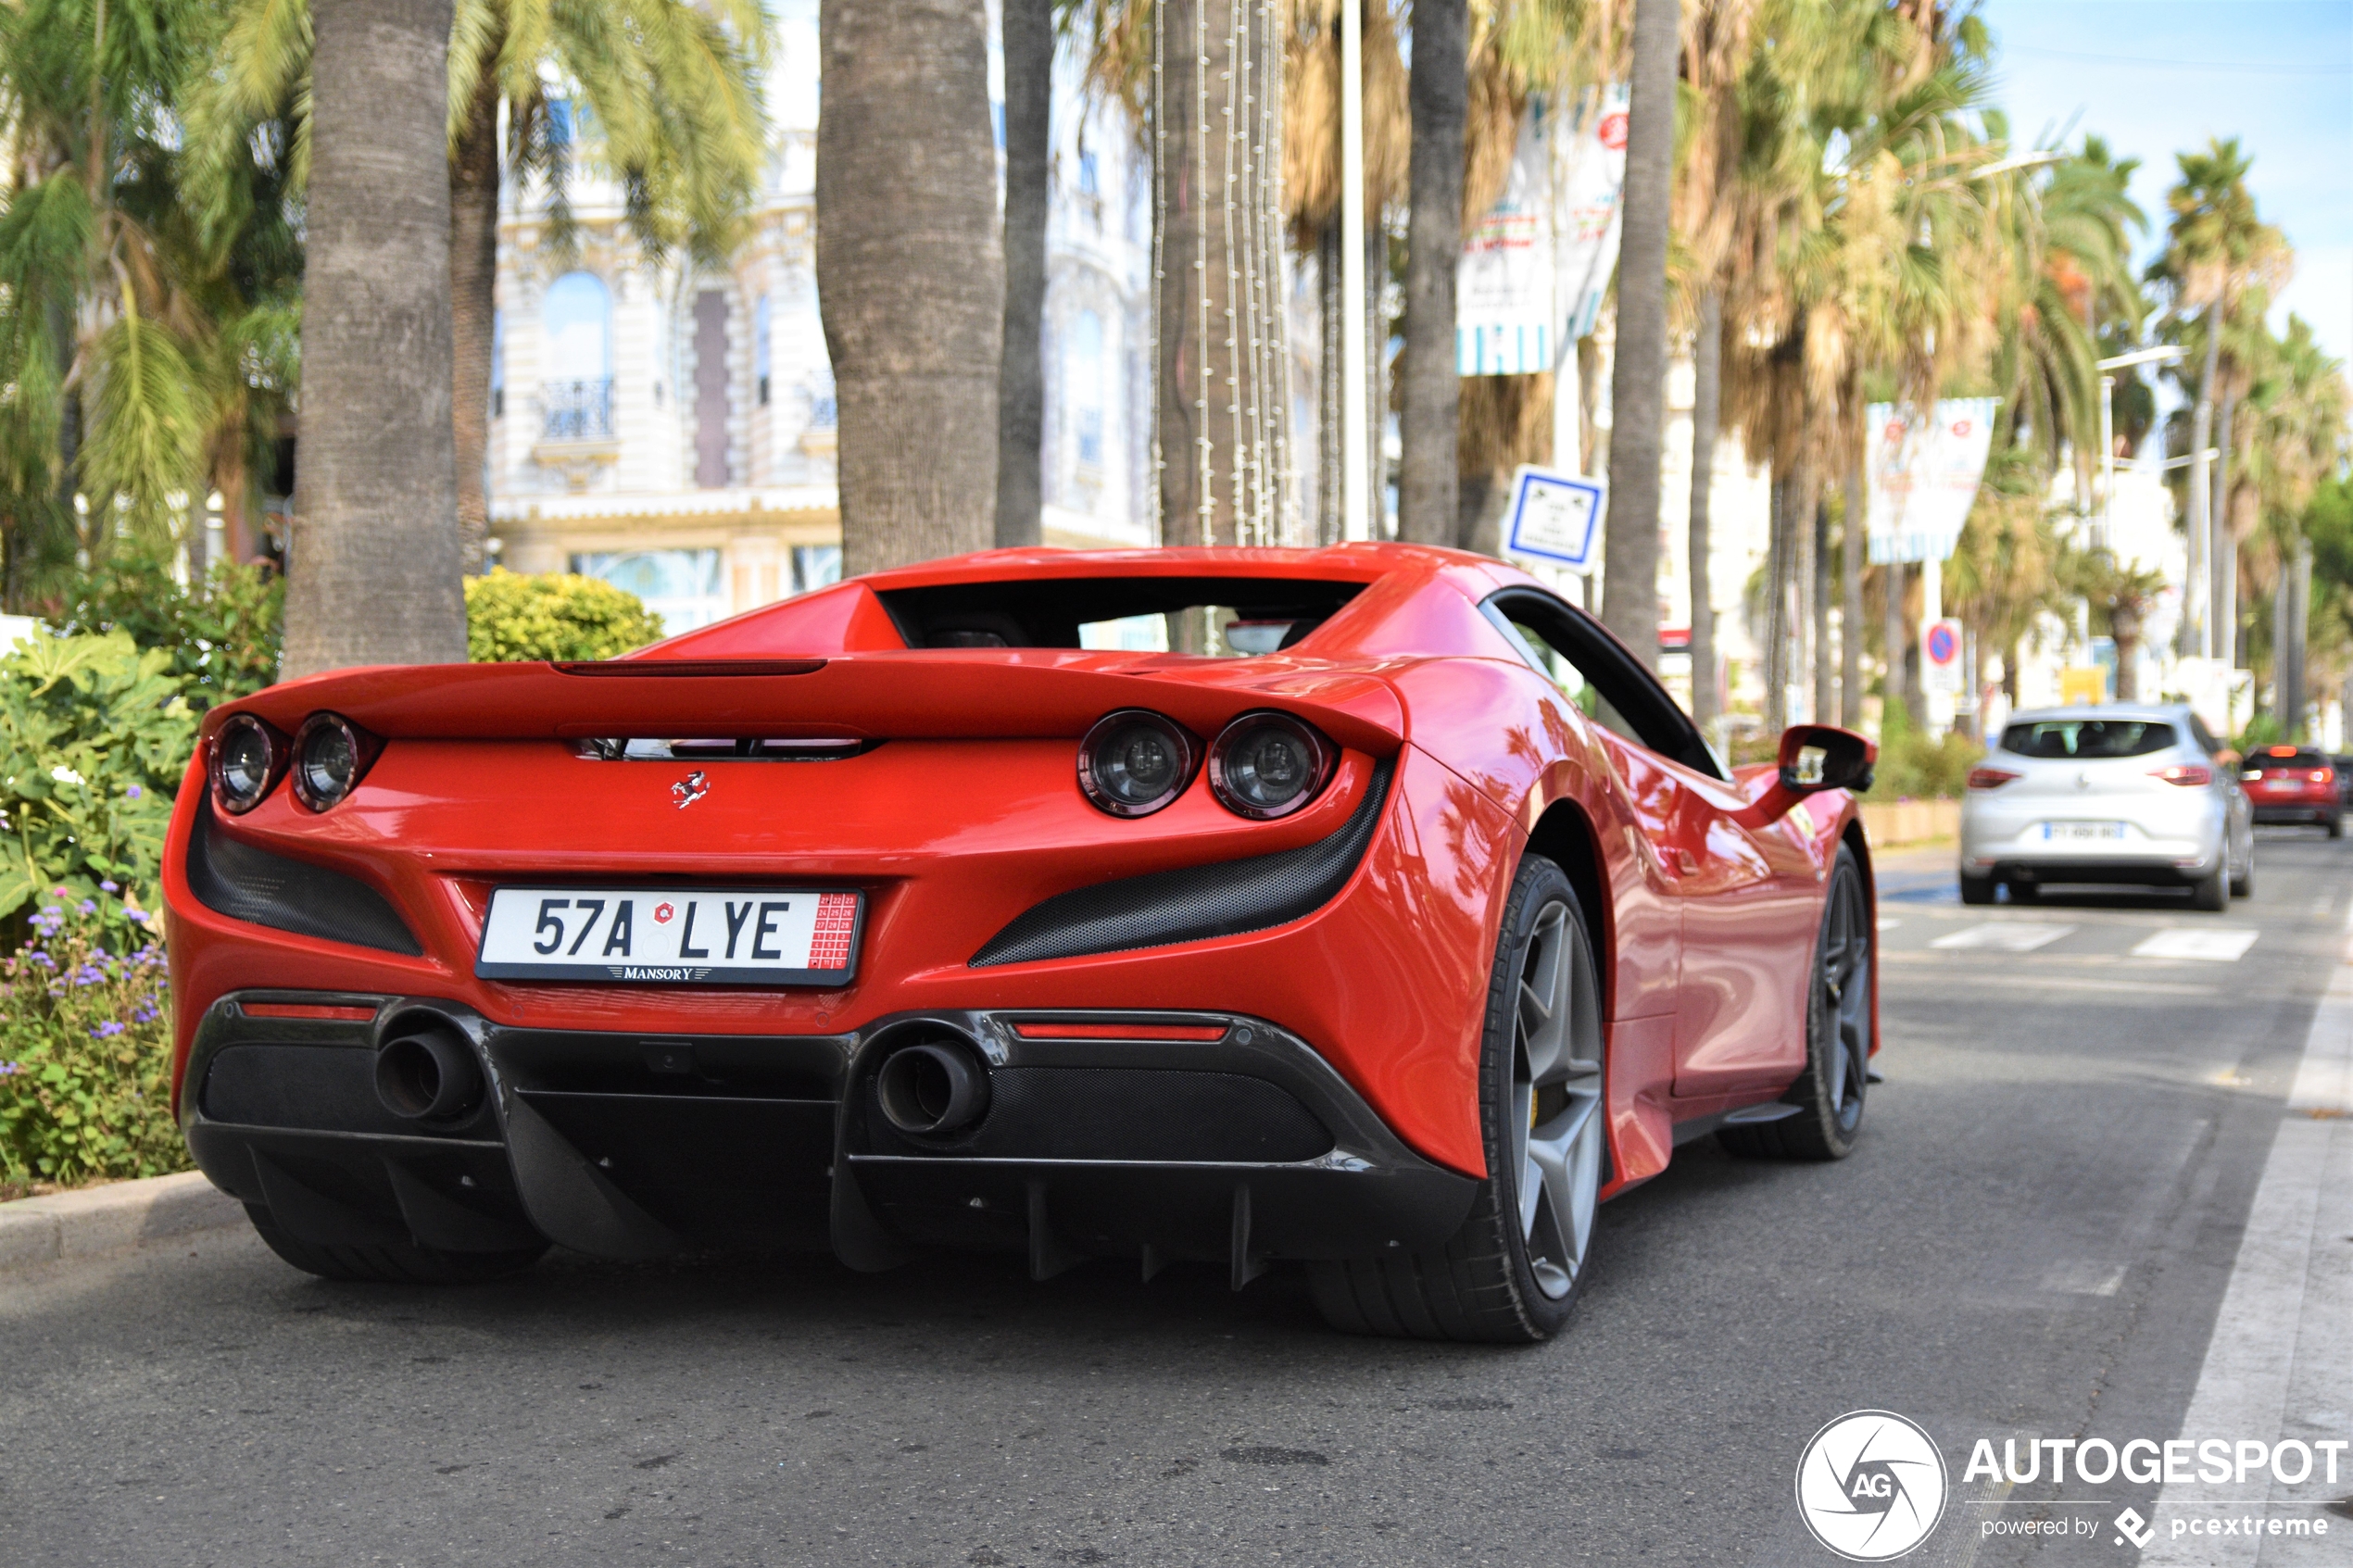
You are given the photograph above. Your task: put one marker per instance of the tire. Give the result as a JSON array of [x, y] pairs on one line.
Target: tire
[[2211, 893], [398, 1263], [2243, 885], [1514, 1271], [1976, 889], [1838, 1036], [2336, 825]]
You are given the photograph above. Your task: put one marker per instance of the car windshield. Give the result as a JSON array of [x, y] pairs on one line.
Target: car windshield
[[2087, 738], [1223, 617]]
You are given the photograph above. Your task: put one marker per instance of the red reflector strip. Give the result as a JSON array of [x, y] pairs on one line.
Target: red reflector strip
[[1120, 1031], [306, 1010]]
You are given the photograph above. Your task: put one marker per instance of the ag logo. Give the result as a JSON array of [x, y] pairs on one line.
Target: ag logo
[[1870, 1486]]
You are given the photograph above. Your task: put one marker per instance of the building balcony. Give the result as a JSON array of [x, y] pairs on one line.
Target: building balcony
[[576, 436]]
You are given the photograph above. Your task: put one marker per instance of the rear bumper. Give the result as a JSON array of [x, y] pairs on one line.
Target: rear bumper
[[2298, 810], [2119, 872], [1239, 1147]]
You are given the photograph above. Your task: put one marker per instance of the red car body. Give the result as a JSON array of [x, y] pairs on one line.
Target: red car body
[[2289, 783], [957, 816]]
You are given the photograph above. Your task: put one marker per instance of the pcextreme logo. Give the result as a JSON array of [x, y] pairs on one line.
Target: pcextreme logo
[[1870, 1486]]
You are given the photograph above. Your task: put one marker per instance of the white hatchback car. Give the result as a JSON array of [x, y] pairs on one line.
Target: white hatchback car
[[2133, 795]]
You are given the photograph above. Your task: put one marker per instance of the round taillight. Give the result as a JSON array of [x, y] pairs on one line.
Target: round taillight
[[1267, 765], [247, 756], [1132, 763], [328, 759]]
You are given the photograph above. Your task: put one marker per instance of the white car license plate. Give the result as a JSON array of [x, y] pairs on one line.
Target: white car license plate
[[2081, 833], [674, 935]]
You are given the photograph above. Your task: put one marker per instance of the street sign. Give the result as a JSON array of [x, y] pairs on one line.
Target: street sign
[[1554, 517], [1940, 656]]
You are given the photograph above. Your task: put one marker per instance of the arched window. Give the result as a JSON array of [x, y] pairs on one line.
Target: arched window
[[1084, 369], [575, 318]]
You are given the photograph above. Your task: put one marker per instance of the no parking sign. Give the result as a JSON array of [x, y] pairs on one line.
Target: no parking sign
[[1940, 656]]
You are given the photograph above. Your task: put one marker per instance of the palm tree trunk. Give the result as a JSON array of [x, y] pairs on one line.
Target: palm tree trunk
[[2225, 556], [2202, 506], [374, 575], [1781, 501], [1824, 698], [1222, 400], [1638, 386], [474, 305], [910, 275], [1891, 642], [1852, 536], [1020, 410], [1708, 390], [1428, 499]]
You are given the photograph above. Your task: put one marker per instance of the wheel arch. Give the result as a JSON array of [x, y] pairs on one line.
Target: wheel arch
[[1564, 835], [1854, 838]]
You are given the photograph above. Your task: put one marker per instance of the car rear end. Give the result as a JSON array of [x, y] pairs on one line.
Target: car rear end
[[893, 952], [2094, 795], [2292, 785]]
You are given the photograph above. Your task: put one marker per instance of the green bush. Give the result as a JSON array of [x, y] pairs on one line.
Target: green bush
[[1914, 767], [94, 735], [222, 634], [560, 615], [85, 1049]]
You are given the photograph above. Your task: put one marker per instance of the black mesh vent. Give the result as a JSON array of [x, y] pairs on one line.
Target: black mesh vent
[[1195, 902], [1126, 1113], [247, 883]]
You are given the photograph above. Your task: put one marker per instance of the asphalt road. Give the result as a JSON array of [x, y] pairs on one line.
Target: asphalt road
[[2033, 1239]]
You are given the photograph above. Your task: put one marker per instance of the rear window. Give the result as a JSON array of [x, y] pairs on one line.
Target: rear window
[[2088, 738], [2285, 759], [1224, 617]]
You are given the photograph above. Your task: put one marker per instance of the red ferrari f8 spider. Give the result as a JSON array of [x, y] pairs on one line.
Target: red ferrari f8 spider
[[1368, 906]]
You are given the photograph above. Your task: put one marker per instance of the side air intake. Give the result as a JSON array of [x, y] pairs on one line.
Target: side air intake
[[246, 883], [1195, 902]]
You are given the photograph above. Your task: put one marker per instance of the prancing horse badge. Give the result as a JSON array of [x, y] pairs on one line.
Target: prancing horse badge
[[691, 788]]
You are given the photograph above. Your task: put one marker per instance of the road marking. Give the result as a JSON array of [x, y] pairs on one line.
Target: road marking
[[2277, 1365], [2085, 1276], [2208, 946], [1888, 922], [2004, 935]]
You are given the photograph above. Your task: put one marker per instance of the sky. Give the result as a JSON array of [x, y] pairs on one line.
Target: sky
[[2155, 77]]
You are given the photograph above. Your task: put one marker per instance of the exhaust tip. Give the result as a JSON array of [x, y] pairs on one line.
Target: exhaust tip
[[931, 1087], [427, 1073]]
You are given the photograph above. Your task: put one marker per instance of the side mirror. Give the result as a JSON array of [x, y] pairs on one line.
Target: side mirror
[[1820, 757], [1814, 757]]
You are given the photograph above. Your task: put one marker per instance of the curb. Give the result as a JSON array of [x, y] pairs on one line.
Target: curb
[[112, 1217]]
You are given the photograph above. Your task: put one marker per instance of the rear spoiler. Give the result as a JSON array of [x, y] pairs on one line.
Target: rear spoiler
[[929, 695]]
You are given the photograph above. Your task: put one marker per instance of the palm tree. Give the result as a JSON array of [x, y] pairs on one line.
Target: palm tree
[[1028, 28], [374, 565], [1638, 385], [1429, 419], [910, 275], [2217, 248], [148, 360], [661, 94]]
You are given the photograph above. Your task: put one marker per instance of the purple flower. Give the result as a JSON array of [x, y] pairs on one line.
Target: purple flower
[[9, 1069], [134, 792], [106, 1031], [108, 885], [88, 908]]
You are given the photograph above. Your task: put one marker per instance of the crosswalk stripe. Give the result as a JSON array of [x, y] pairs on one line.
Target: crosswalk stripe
[[2226, 945], [2005, 936]]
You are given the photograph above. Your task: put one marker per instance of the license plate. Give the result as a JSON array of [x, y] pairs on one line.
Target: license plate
[[673, 935], [2081, 833]]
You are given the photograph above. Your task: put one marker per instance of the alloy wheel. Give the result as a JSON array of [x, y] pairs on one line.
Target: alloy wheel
[[1557, 1097]]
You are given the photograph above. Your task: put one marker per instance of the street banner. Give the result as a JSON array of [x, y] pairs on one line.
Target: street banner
[[1923, 475], [1504, 320], [1535, 268], [1590, 175], [1940, 648], [1555, 518]]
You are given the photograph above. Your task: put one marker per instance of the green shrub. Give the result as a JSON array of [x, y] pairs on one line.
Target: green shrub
[[94, 735], [1914, 767], [560, 615], [85, 1049], [222, 634]]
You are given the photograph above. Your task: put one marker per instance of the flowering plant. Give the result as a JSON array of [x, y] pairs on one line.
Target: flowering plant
[[85, 1045]]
